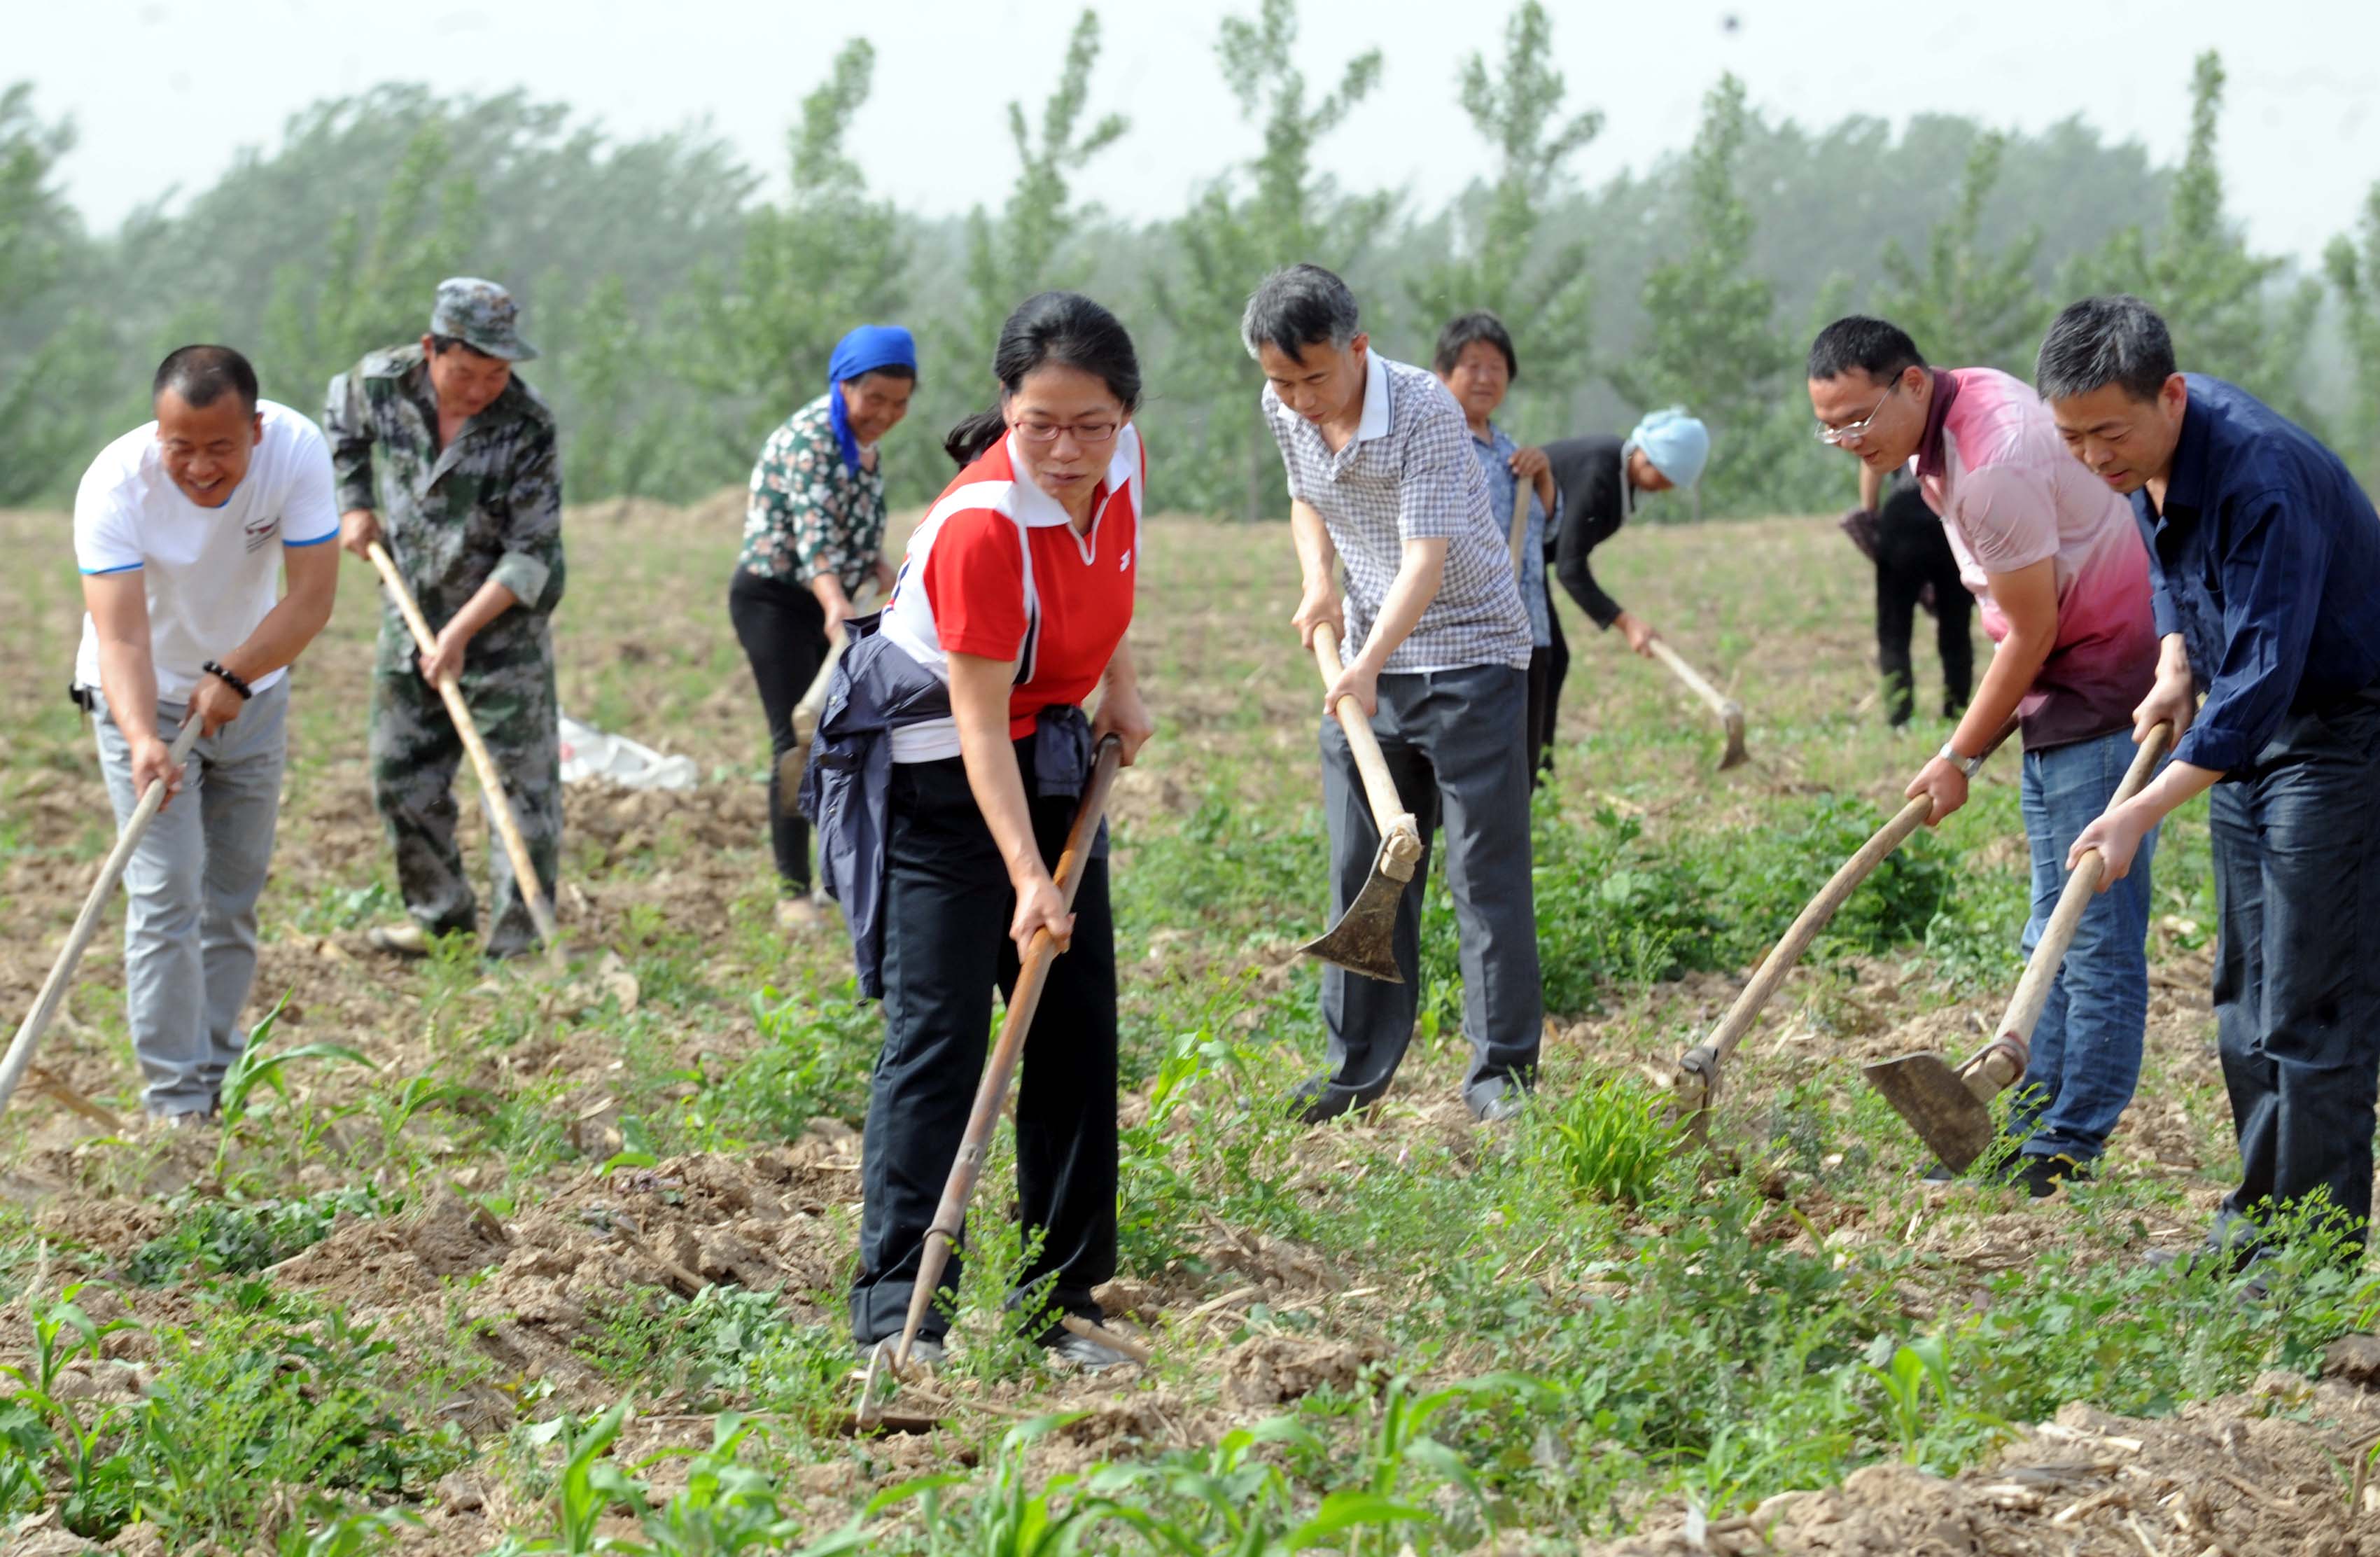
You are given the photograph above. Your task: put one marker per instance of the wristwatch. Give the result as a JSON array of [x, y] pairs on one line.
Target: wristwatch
[[1966, 765]]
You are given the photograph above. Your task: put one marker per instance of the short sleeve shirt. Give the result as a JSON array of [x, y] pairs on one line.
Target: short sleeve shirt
[[2010, 496], [998, 570], [210, 574], [1504, 490], [808, 512], [1409, 474]]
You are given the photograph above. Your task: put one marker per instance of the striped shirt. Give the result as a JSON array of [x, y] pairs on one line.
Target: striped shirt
[[1409, 474]]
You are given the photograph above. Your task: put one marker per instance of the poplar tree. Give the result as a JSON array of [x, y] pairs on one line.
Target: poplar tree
[[1711, 343], [831, 255], [1543, 296], [1276, 210], [2216, 296], [2356, 274], [1967, 305]]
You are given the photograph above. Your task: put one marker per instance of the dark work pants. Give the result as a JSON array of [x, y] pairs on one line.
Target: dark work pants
[[1912, 552], [2296, 970], [1451, 741], [1543, 713], [783, 629], [946, 912], [1537, 728]]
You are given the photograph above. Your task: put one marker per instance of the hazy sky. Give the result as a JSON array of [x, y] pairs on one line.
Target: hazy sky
[[165, 92]]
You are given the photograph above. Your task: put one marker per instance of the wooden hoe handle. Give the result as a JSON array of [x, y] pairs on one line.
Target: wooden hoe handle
[[2049, 954], [1702, 1061], [499, 804], [86, 925], [992, 1091], [1693, 679], [1388, 807]]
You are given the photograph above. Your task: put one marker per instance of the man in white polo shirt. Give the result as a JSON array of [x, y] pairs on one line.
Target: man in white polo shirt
[[182, 529], [1436, 644]]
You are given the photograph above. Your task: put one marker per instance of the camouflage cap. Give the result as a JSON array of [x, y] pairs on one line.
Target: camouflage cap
[[481, 315]]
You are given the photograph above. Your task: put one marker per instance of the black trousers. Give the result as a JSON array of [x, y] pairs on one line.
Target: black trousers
[[1545, 701], [2297, 967], [946, 913], [783, 629], [1911, 553]]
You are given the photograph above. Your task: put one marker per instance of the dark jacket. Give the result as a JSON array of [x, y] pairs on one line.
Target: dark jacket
[[847, 785], [2266, 560], [1595, 504]]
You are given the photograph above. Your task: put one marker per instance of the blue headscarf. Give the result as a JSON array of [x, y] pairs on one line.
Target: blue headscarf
[[865, 351], [1676, 443]]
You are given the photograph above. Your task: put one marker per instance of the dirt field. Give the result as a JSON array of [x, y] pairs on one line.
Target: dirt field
[[533, 1189]]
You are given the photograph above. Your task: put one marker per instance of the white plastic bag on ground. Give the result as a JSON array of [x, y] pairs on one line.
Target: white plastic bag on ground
[[588, 752]]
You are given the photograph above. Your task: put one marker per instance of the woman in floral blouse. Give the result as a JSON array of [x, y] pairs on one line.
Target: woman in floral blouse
[[813, 535]]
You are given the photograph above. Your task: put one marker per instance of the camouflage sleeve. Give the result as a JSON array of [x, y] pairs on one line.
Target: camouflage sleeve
[[346, 421], [532, 555]]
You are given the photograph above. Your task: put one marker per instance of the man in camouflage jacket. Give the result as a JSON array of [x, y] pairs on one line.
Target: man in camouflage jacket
[[466, 493]]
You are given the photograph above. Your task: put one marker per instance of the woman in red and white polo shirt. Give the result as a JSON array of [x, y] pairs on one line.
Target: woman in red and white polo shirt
[[1016, 592]]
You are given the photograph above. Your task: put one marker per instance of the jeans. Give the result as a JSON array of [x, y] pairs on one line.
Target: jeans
[[1454, 741], [946, 947], [2297, 969], [190, 890], [2086, 1048]]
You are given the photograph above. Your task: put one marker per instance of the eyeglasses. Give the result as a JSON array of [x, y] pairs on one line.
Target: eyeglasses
[[1084, 433], [1851, 434]]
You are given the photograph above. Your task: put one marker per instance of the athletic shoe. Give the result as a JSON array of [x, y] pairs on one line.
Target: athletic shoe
[[2041, 1176], [1090, 1355], [407, 940]]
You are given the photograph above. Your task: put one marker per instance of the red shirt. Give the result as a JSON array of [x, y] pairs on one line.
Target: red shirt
[[998, 570]]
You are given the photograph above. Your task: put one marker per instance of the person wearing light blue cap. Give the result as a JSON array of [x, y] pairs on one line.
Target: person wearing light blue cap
[[1600, 479], [813, 537]]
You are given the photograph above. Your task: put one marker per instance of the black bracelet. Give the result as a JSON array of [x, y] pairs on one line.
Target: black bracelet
[[215, 668]]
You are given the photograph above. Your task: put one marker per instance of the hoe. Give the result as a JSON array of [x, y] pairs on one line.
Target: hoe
[[1730, 711], [492, 783], [86, 925], [1697, 1083], [1950, 1110], [990, 1093], [1364, 939]]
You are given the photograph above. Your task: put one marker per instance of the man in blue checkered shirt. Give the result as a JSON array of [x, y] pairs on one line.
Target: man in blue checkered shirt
[[1382, 481]]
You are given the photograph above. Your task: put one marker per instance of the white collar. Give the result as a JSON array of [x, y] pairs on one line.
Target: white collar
[[1036, 509], [1374, 422]]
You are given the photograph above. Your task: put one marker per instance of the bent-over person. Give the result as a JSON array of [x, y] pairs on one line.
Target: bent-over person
[[182, 529]]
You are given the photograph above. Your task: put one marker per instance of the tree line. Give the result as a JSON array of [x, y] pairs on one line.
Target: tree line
[[682, 314]]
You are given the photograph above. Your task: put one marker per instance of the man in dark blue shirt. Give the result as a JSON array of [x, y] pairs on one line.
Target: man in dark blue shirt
[[2266, 560]]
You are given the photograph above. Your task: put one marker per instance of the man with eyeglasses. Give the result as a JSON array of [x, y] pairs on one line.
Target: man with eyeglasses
[[2058, 567], [2266, 560], [1436, 644]]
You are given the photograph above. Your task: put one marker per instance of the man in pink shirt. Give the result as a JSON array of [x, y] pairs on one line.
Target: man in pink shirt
[[2058, 564]]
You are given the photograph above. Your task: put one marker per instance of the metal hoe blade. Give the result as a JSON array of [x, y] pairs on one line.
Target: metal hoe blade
[[1364, 941], [1937, 1105], [1736, 755]]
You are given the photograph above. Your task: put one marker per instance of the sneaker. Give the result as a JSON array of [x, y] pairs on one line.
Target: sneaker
[[190, 1119], [797, 916], [1090, 1355], [926, 1349], [407, 940], [1939, 1174], [2043, 1176]]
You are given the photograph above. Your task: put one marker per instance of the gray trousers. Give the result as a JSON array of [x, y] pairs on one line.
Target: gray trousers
[[1457, 744], [190, 887]]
